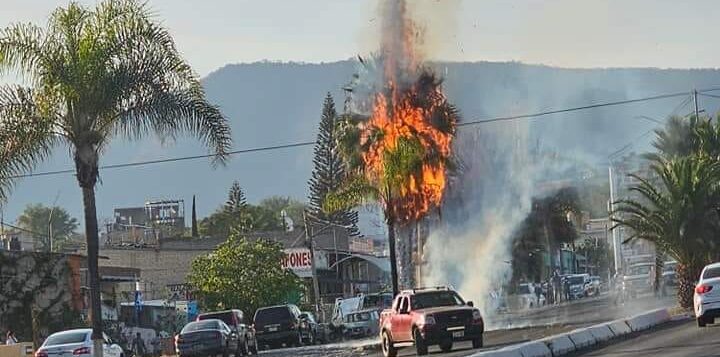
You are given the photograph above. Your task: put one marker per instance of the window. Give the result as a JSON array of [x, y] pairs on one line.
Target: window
[[711, 273], [404, 305], [202, 325], [436, 298], [66, 338]]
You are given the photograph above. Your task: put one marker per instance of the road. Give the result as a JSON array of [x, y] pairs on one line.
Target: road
[[504, 330], [676, 339]]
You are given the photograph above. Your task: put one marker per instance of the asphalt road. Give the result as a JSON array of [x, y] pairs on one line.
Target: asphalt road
[[676, 339], [505, 329]]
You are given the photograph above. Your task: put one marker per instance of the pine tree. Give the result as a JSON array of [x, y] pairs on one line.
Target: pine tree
[[236, 199], [194, 220], [329, 170]]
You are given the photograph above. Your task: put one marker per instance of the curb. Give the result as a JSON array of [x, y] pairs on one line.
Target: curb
[[583, 338]]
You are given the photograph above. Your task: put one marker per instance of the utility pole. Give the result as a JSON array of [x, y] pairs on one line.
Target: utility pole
[[616, 246], [310, 242], [695, 99]]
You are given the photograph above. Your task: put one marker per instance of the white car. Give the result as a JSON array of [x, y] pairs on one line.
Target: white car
[[75, 343], [707, 295]]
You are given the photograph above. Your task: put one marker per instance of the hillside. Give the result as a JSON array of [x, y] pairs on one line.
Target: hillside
[[277, 103]]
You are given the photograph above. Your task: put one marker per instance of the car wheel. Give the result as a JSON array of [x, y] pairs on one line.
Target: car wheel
[[477, 342], [701, 322], [388, 348], [420, 346], [446, 346]]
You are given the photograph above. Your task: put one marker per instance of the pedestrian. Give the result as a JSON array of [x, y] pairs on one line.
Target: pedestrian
[[10, 338], [556, 286], [538, 292], [566, 289], [138, 346]]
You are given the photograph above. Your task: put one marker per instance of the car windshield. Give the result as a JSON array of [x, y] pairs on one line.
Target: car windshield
[[711, 273], [201, 325], [639, 270], [435, 299], [523, 289], [272, 315], [380, 301], [669, 267], [226, 317], [66, 338]]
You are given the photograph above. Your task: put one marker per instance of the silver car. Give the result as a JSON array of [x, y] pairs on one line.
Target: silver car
[[362, 323]]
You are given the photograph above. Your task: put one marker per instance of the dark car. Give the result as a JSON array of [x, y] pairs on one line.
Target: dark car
[[310, 328], [669, 278], [277, 325], [235, 319], [429, 316], [206, 338]]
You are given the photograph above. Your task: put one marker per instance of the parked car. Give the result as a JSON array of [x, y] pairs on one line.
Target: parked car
[[76, 343], [235, 319], [309, 328], [669, 278], [593, 286], [527, 296], [362, 323], [636, 280], [577, 285], [206, 338], [706, 300], [277, 325], [429, 316]]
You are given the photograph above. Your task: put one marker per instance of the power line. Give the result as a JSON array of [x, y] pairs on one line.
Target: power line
[[572, 109], [173, 159], [309, 143], [24, 229]]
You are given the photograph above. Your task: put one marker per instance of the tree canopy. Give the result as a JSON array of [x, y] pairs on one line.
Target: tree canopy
[[243, 274], [35, 219]]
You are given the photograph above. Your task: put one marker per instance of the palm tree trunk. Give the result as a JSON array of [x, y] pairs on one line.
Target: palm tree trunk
[[688, 275], [91, 235], [86, 167], [393, 256]]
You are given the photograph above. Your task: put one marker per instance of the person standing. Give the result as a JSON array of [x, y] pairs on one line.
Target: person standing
[[10, 338], [138, 346]]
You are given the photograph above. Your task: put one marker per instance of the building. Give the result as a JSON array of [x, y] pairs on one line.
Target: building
[[341, 272], [43, 287], [145, 226]]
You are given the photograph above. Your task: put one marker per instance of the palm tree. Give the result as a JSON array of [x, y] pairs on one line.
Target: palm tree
[[402, 163], [93, 74], [679, 214]]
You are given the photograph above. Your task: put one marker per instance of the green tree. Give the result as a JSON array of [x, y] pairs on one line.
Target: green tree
[[678, 214], [329, 171], [95, 73], [36, 220], [292, 207], [243, 274]]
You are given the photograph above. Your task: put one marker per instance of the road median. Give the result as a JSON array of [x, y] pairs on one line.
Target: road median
[[584, 338]]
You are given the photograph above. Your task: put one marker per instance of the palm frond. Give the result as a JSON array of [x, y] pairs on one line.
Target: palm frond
[[356, 191], [26, 135]]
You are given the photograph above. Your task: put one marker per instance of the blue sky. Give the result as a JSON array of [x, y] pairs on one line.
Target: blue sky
[[566, 33]]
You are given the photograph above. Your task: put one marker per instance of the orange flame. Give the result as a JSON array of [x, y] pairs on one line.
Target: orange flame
[[396, 117]]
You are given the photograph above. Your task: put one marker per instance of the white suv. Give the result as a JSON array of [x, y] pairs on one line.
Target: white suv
[[707, 295]]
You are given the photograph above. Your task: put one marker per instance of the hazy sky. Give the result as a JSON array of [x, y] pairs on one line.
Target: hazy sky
[[567, 33]]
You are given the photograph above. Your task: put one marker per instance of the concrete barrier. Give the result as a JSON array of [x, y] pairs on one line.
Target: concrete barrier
[[582, 338], [619, 328], [534, 349], [22, 349], [639, 322], [559, 345], [601, 333], [505, 352]]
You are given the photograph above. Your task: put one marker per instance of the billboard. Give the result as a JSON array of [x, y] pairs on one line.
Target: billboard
[[298, 260]]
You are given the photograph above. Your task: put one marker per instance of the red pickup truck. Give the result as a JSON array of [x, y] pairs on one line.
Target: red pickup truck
[[429, 316]]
